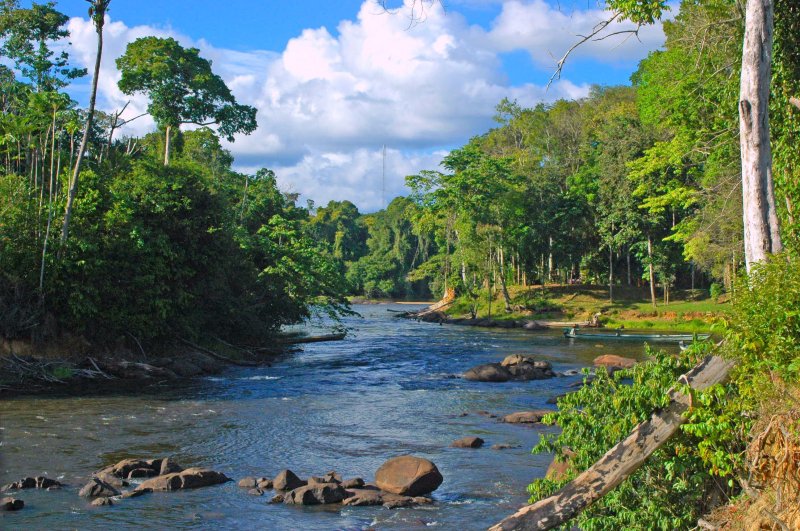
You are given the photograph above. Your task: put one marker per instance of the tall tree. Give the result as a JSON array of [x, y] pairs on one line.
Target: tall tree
[[27, 36], [182, 89], [761, 229], [97, 12]]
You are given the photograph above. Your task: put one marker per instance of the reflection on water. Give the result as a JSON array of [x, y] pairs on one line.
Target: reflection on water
[[389, 389]]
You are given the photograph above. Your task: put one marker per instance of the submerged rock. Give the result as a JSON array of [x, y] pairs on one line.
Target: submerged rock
[[38, 482], [101, 502], [11, 504], [408, 475]]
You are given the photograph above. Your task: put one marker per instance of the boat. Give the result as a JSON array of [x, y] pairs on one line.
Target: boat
[[572, 333]]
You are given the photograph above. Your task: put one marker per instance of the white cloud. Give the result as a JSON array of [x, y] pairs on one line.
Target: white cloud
[[546, 32], [329, 101]]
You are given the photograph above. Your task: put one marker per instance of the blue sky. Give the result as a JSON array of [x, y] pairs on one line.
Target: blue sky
[[335, 80]]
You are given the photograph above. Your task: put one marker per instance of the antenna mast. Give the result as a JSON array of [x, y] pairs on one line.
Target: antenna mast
[[383, 179]]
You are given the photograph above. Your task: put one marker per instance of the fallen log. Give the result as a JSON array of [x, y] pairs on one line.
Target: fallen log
[[220, 357], [310, 339], [622, 460]]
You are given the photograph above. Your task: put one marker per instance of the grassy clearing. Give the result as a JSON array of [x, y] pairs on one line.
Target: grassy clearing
[[687, 311]]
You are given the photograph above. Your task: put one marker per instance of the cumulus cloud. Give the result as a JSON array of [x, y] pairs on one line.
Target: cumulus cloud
[[329, 100], [546, 32]]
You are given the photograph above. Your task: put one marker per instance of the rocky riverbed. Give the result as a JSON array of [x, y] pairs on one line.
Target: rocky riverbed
[[393, 388]]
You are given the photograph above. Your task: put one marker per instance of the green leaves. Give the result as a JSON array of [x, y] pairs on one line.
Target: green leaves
[[181, 87]]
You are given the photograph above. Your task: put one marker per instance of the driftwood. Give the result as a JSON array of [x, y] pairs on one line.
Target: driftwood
[[622, 460], [310, 339], [220, 357]]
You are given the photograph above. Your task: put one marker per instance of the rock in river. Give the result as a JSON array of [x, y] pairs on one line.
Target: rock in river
[[513, 367], [316, 494], [97, 488], [408, 475], [11, 504], [611, 361], [489, 372], [526, 417], [191, 478], [287, 480], [468, 442], [39, 482]]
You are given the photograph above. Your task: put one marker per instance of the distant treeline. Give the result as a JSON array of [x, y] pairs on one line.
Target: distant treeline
[[632, 184]]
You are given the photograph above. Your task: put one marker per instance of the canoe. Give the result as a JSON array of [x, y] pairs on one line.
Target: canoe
[[656, 338]]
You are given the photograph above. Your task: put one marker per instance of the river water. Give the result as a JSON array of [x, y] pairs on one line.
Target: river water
[[390, 388]]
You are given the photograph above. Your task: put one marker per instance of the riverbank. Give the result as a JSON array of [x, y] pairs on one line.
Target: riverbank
[[73, 366], [687, 311]]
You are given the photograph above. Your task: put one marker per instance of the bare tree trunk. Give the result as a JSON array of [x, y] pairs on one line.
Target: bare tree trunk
[[501, 265], [610, 274], [166, 147], [651, 270], [73, 188], [761, 228]]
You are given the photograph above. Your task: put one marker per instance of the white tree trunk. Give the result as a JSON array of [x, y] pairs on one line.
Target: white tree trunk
[[761, 230]]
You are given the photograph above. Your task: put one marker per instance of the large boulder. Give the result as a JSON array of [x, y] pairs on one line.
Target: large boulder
[[97, 488], [527, 368], [611, 361], [316, 494], [489, 372], [287, 480], [191, 478], [468, 442], [408, 475], [526, 417]]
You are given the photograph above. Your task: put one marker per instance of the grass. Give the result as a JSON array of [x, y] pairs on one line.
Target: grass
[[688, 311]]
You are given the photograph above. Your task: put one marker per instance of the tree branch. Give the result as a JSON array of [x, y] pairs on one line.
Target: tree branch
[[622, 460]]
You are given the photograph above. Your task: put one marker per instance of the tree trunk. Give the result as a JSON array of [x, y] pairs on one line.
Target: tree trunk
[[610, 274], [73, 188], [651, 270], [623, 459], [761, 229], [166, 147], [501, 265]]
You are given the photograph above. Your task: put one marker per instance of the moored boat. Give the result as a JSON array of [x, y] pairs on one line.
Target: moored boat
[[572, 333]]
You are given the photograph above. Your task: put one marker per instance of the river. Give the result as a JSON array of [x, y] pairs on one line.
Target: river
[[390, 388]]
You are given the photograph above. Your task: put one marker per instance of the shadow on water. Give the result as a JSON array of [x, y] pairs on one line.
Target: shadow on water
[[391, 388]]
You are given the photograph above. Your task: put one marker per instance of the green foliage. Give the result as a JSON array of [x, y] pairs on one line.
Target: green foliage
[[671, 490], [181, 87], [715, 290], [764, 326], [26, 37]]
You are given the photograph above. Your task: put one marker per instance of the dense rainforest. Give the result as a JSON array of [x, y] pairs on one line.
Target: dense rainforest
[[163, 239], [631, 185]]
